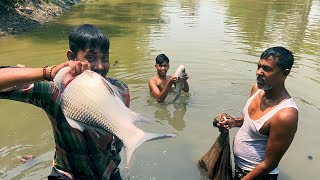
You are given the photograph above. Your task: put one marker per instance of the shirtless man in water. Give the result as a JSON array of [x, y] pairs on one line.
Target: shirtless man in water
[[161, 84]]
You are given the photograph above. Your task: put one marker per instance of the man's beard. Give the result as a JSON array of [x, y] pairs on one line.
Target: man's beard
[[266, 87], [262, 83]]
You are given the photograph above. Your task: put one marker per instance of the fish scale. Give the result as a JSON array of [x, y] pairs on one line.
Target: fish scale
[[87, 117]]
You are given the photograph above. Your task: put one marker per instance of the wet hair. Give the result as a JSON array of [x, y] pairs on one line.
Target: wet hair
[[86, 37], [282, 55], [162, 58]]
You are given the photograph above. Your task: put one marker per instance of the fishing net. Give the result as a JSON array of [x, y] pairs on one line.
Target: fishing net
[[217, 161]]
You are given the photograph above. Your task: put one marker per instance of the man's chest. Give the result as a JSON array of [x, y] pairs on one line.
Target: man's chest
[[258, 111], [161, 83]]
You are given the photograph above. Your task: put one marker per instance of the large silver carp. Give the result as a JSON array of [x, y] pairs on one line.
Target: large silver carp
[[179, 74], [90, 102]]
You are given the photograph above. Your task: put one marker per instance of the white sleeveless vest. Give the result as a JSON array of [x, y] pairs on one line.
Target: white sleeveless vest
[[249, 145]]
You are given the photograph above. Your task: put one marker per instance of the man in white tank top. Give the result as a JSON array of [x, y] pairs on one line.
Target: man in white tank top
[[269, 122]]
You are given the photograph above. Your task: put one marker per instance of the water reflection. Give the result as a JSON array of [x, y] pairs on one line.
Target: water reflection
[[173, 113], [115, 18], [191, 7], [292, 24], [190, 12], [282, 22]]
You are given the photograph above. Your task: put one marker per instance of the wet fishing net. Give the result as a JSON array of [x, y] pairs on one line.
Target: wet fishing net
[[217, 161]]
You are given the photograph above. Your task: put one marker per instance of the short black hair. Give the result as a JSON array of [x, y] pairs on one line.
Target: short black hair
[[161, 58], [88, 36], [282, 55]]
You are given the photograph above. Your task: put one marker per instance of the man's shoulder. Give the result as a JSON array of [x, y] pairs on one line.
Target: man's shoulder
[[288, 109], [289, 113], [287, 118], [254, 89], [154, 79], [158, 80]]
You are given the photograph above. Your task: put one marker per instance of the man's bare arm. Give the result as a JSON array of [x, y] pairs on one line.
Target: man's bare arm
[[230, 123], [281, 133], [160, 95], [11, 77]]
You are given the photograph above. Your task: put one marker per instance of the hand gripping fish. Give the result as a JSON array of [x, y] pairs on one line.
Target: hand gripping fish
[[179, 74], [90, 102]]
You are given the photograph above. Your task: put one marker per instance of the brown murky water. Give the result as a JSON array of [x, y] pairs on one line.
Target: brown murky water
[[218, 41]]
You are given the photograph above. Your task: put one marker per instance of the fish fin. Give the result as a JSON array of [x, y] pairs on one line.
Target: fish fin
[[112, 89], [82, 126], [136, 117], [108, 86], [101, 131], [75, 124], [137, 140]]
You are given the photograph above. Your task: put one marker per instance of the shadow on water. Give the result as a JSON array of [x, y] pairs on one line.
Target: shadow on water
[[173, 112]]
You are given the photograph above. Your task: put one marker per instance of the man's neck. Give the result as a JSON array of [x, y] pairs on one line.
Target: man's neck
[[162, 77], [275, 93], [275, 96]]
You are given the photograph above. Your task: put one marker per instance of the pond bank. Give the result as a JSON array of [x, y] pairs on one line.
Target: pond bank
[[22, 18]]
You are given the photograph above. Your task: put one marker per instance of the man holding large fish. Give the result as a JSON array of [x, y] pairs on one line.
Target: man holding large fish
[[88, 138], [161, 85]]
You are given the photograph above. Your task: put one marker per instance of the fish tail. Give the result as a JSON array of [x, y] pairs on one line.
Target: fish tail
[[177, 90], [135, 142], [176, 95]]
